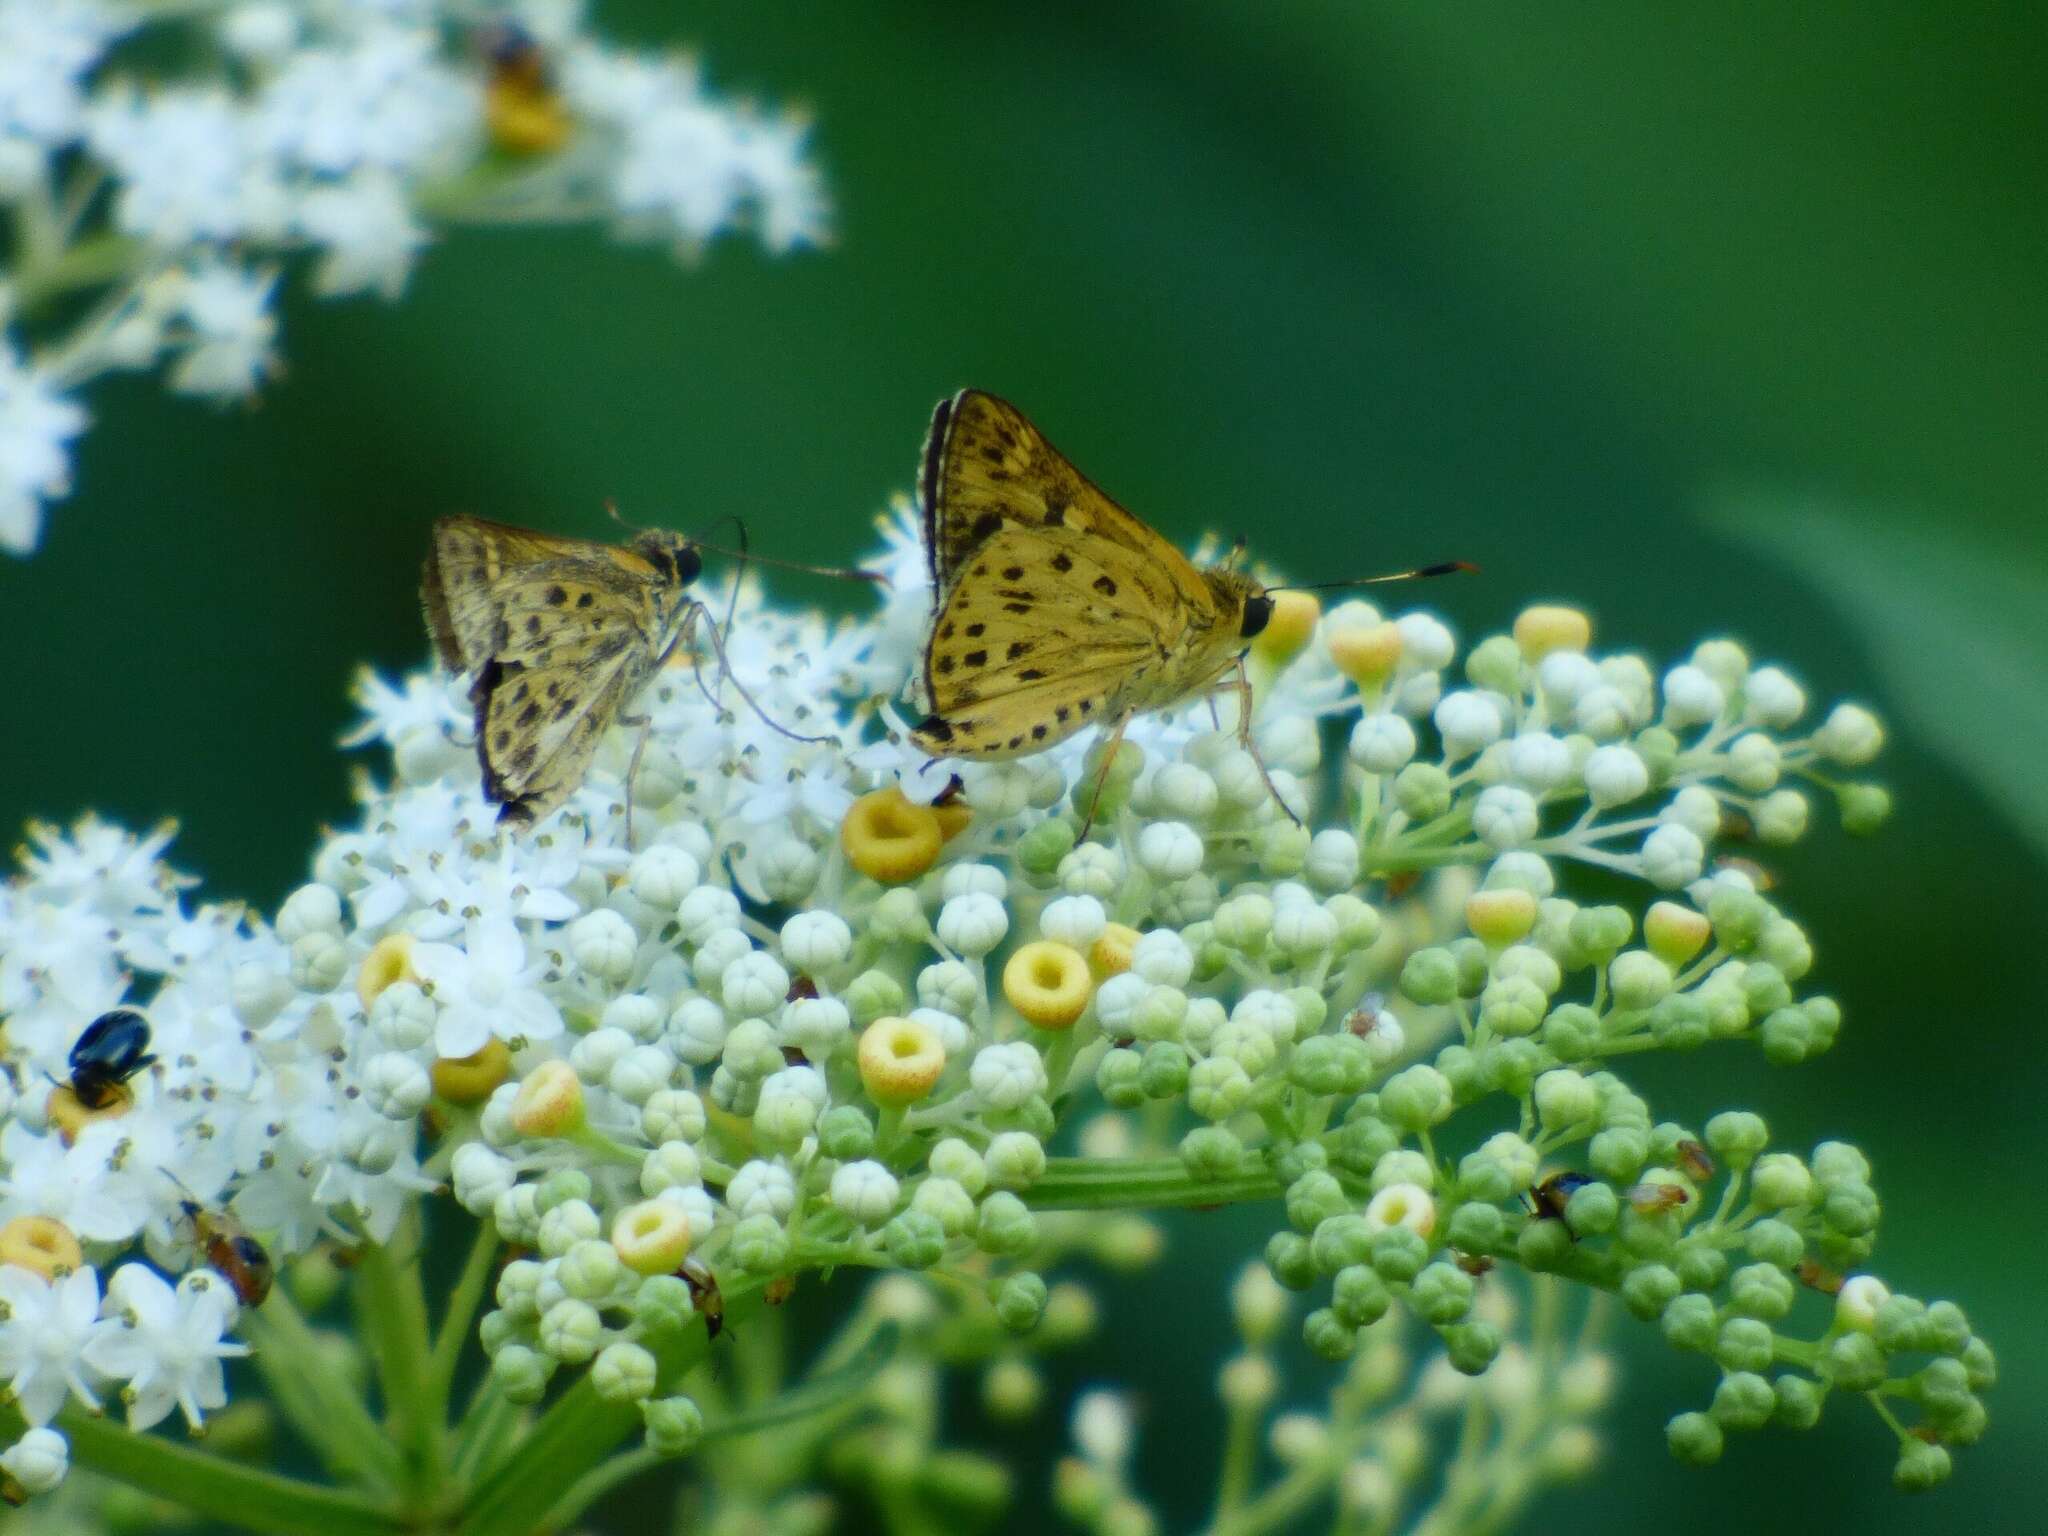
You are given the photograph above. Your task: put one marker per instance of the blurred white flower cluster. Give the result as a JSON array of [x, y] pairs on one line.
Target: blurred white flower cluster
[[152, 212]]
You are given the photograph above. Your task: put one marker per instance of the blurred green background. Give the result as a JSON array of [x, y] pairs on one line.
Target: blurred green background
[[1730, 320]]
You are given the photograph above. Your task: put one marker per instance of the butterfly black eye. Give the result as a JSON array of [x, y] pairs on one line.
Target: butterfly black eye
[[1258, 612], [689, 565]]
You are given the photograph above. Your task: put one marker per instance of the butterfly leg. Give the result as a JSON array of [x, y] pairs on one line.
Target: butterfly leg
[[725, 673], [646, 724], [1244, 738], [1110, 743]]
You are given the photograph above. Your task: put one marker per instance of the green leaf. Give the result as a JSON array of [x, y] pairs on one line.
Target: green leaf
[[820, 1392], [1956, 623]]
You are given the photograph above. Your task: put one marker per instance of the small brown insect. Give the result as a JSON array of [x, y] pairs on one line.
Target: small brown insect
[[1758, 875], [1474, 1264], [704, 1295], [779, 1290], [1695, 1160], [1363, 1020], [11, 1490], [1816, 1278], [523, 107], [800, 988], [1654, 1197], [230, 1251]]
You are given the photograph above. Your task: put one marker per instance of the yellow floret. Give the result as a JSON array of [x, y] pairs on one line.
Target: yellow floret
[[1547, 627], [1110, 954], [900, 1060], [890, 839], [1048, 983], [472, 1079], [41, 1244], [388, 963], [1291, 626]]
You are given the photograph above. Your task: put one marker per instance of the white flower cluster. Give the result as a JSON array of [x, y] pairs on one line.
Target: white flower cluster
[[752, 1026], [339, 130]]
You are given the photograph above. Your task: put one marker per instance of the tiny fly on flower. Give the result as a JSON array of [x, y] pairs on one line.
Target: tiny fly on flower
[[1547, 1200]]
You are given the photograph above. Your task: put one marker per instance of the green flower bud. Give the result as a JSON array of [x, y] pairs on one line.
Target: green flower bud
[[623, 1373], [846, 1134], [1591, 1210], [1513, 1006], [1293, 1160], [1947, 1329], [1282, 849], [1471, 1347], [1211, 1152], [1160, 1014], [1570, 1030], [1694, 1439], [914, 1240], [1853, 1362], [1738, 917], [1681, 1023], [1430, 977], [1744, 1400], [1460, 1067], [1012, 1389], [1618, 1155], [1328, 1336], [1864, 808], [1358, 924], [1701, 1267], [976, 1486], [1119, 1077], [1543, 1246], [760, 1246], [1735, 1137], [1474, 966], [1496, 663], [570, 1331], [1658, 747], [1441, 1295], [1218, 1088], [1780, 1181], [1648, 1289], [1020, 1302], [1358, 1145], [1838, 1162], [1340, 1242], [1399, 1253], [663, 1306], [674, 1425], [1920, 1466], [1776, 1243], [1483, 1177], [1422, 791], [1798, 1401], [1005, 1226], [1744, 1344], [1329, 1065], [522, 1373], [1564, 1098], [497, 1328], [1689, 1323], [1639, 979], [1786, 1036], [1784, 944], [1403, 1165], [1244, 922], [1898, 1325], [1943, 1387], [1416, 1098], [1981, 1364], [561, 1187], [1313, 1198], [1040, 850], [1289, 1259], [1359, 1297], [1475, 1228], [1764, 987], [1851, 1209], [898, 918], [1727, 1008], [873, 995], [590, 1269], [1597, 934], [1824, 1014]]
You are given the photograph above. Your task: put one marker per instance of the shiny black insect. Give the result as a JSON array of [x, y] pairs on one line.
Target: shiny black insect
[[1547, 1200], [232, 1253], [114, 1047]]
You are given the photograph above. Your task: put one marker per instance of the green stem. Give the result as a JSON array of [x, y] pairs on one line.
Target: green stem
[[207, 1485], [88, 264], [393, 1312], [315, 1399], [1096, 1184], [462, 1304], [565, 1443], [595, 1484], [490, 1417]]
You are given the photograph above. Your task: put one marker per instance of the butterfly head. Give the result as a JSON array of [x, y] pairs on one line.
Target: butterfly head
[[669, 553], [1237, 593]]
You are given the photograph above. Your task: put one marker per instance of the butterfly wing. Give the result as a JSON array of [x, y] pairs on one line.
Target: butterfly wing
[[1045, 630], [477, 572], [539, 727], [987, 468]]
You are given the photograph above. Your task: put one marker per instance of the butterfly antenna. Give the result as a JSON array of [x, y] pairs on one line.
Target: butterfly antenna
[[1445, 568], [842, 572], [725, 671]]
